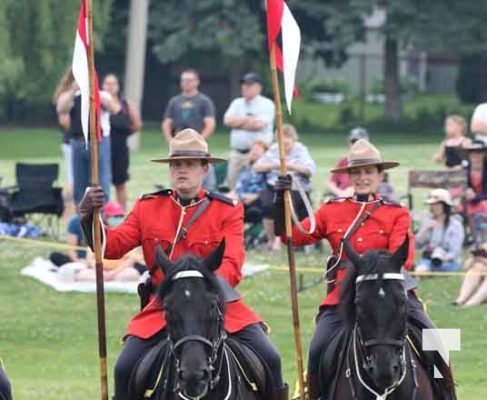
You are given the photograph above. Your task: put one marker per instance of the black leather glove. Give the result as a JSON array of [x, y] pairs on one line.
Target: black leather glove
[[92, 199], [283, 183]]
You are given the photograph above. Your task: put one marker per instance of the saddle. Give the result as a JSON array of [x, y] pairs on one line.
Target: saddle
[[154, 375], [443, 388], [250, 367], [150, 372]]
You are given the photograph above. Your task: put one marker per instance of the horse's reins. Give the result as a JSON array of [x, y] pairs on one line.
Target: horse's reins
[[215, 347], [309, 211], [393, 342]]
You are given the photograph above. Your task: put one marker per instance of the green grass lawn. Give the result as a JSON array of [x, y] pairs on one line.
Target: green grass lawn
[[48, 340]]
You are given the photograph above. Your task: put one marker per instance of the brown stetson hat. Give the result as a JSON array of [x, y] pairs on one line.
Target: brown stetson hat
[[363, 153], [189, 145]]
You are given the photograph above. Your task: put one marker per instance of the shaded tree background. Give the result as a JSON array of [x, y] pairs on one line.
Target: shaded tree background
[[224, 38], [36, 45]]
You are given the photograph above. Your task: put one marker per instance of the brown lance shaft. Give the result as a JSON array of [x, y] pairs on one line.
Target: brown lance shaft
[[100, 290], [287, 222]]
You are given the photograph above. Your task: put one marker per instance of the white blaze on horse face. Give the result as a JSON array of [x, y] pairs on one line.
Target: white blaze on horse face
[[382, 293], [187, 293]]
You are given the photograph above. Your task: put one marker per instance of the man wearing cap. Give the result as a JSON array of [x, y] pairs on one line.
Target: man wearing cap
[[156, 220], [367, 222], [251, 118]]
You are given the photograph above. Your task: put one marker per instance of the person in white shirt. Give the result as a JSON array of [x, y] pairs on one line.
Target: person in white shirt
[[251, 118], [478, 123]]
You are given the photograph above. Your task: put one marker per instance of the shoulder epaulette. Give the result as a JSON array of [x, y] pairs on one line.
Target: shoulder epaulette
[[392, 203], [222, 198], [163, 192]]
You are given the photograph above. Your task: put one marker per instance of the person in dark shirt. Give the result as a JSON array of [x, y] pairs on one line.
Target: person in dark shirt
[[189, 109], [451, 151]]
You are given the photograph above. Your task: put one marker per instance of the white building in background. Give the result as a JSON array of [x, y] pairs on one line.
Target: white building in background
[[433, 73]]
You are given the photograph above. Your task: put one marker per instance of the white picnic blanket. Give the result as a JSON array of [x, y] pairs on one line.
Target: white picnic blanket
[[61, 279]]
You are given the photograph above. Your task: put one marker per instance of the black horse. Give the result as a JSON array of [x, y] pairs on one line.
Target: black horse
[[377, 361], [197, 360]]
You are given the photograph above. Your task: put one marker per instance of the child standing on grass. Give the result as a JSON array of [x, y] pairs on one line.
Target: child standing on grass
[[450, 152]]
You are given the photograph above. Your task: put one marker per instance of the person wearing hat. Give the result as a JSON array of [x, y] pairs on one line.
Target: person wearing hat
[[156, 220], [250, 118], [441, 236], [191, 109], [368, 223], [339, 183]]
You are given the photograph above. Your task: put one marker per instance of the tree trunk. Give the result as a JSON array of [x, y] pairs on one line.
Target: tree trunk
[[135, 58], [393, 106], [236, 72]]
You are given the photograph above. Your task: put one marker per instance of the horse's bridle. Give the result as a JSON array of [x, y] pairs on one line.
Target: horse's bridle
[[215, 347], [357, 337]]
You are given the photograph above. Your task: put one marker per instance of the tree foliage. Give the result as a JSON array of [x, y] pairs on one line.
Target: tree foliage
[[36, 44], [232, 28]]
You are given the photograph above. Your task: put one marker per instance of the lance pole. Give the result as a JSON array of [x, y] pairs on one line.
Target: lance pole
[[100, 290], [288, 225]]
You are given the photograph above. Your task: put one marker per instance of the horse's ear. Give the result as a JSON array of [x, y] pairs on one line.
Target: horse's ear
[[162, 261], [401, 254], [352, 255], [214, 260]]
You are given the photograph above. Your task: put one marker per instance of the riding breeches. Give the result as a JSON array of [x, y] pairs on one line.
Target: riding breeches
[[254, 336], [328, 323], [5, 390], [133, 350]]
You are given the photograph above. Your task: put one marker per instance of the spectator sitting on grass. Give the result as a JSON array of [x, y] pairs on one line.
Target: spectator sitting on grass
[[79, 265], [474, 287], [441, 236]]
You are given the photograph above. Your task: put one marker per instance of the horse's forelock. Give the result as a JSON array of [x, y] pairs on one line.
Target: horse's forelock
[[190, 262], [374, 262]]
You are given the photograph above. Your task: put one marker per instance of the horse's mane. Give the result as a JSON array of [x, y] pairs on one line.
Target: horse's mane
[[370, 265], [190, 262]]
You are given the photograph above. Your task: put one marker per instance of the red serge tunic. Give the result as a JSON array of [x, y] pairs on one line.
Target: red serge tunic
[[386, 228], [154, 220]]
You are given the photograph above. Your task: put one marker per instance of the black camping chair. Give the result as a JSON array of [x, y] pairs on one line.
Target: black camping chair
[[35, 196]]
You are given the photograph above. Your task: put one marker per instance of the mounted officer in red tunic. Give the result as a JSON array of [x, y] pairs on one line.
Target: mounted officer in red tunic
[[183, 219], [368, 223]]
